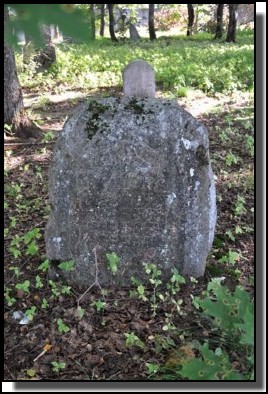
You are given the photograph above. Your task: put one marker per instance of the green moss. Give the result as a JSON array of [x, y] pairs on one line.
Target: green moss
[[96, 122], [135, 105]]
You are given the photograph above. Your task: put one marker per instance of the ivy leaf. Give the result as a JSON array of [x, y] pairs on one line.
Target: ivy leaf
[[210, 367]]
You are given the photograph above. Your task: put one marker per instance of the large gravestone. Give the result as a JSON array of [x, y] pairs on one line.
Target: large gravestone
[[131, 176]]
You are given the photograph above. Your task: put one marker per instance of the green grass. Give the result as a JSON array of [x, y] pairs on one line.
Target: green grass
[[179, 62]]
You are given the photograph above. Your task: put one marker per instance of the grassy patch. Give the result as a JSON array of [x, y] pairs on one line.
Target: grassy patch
[[195, 62]]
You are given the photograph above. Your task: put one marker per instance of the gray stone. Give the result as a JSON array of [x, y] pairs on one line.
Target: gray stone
[[138, 79], [133, 33], [131, 176]]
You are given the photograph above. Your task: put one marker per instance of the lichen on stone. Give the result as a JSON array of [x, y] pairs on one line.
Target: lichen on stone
[[96, 120]]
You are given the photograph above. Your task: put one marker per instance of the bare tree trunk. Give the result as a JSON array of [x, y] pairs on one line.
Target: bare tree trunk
[[190, 19], [111, 22], [14, 112], [195, 27], [219, 25], [57, 32], [92, 20], [102, 16], [47, 55], [151, 22], [231, 34]]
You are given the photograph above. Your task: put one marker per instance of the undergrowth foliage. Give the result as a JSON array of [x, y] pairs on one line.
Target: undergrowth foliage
[[233, 314], [200, 63]]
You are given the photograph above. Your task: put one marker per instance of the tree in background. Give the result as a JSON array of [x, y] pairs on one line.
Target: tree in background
[[14, 111], [92, 20], [219, 23], [190, 9], [111, 22], [231, 33], [167, 17], [70, 21], [151, 22], [102, 19], [47, 55], [196, 19]]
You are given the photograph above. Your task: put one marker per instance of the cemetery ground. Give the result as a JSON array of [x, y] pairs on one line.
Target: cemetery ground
[[149, 331]]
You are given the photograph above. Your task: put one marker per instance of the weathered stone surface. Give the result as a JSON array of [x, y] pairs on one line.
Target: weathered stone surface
[[133, 33], [138, 78], [131, 176]]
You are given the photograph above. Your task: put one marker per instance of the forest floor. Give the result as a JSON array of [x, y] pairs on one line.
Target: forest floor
[[93, 346]]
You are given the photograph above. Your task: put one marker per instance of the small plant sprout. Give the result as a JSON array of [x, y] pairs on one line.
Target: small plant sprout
[[24, 286], [31, 372], [230, 258], [54, 288], [66, 289], [16, 271], [152, 369], [67, 265], [230, 235], [80, 312], [38, 282], [57, 366], [9, 299], [44, 304], [169, 326], [113, 261], [240, 206], [44, 266], [141, 292], [175, 281], [231, 159], [48, 136], [154, 273], [133, 340], [31, 312], [63, 328], [99, 305]]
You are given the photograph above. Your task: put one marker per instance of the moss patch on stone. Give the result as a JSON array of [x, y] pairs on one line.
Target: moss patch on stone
[[96, 120], [137, 106]]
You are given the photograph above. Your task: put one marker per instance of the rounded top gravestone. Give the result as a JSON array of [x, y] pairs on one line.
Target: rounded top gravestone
[[139, 81], [132, 176]]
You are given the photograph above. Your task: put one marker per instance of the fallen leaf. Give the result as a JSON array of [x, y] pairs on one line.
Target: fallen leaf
[[47, 347]]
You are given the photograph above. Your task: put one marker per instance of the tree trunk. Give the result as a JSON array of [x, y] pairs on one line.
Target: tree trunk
[[27, 50], [195, 27], [92, 20], [47, 55], [219, 25], [14, 112], [111, 22], [190, 19], [231, 34], [102, 20], [151, 22]]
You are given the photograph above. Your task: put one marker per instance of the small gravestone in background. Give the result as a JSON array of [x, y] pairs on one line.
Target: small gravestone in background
[[131, 176], [138, 78], [133, 33]]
